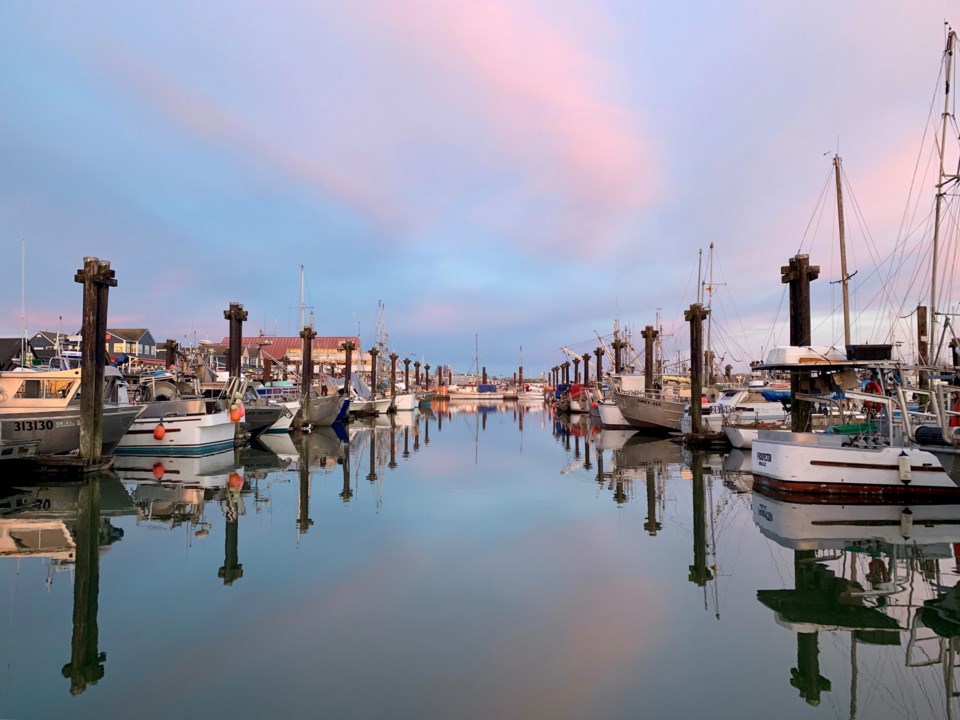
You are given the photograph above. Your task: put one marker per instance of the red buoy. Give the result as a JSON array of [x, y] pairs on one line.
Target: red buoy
[[235, 481], [158, 470], [159, 432], [235, 414]]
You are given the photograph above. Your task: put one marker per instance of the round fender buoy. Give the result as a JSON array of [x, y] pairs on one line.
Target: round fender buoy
[[158, 471], [235, 414], [159, 432], [235, 481]]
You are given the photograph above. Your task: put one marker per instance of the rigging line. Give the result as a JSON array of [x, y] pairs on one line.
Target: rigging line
[[736, 313], [817, 214]]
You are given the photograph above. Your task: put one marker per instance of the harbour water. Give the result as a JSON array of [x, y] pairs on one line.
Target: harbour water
[[469, 562]]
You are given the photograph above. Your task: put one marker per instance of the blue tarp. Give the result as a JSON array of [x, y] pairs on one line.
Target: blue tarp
[[775, 395], [561, 389], [486, 387]]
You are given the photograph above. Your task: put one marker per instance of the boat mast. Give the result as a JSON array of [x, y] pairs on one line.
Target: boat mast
[[843, 255], [301, 299], [710, 316], [941, 182], [23, 303]]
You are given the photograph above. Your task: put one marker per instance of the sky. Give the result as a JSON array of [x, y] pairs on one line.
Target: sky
[[502, 178]]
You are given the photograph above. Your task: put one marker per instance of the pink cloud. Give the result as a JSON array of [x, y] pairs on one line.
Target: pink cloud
[[541, 90]]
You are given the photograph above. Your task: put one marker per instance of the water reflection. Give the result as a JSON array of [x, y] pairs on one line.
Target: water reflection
[[68, 525], [887, 574], [516, 563]]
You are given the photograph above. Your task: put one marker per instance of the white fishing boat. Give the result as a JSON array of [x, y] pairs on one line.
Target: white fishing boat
[[737, 406], [406, 402], [177, 423], [40, 412]]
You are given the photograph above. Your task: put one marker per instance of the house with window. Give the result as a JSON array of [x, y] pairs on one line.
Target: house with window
[[135, 342]]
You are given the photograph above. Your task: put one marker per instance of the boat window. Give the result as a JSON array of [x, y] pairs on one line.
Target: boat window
[[39, 389]]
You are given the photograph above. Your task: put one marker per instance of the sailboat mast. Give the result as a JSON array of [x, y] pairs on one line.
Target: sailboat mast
[[843, 255], [940, 192], [301, 299], [23, 302], [710, 316]]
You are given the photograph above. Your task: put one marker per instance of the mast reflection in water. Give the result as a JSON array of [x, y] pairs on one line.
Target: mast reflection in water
[[471, 559]]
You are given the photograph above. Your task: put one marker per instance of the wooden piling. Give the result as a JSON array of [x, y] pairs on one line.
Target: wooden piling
[[576, 371], [406, 374], [586, 368], [374, 352], [306, 371], [649, 335], [695, 316], [170, 353], [236, 315], [97, 279], [348, 347], [393, 374], [798, 274], [416, 373]]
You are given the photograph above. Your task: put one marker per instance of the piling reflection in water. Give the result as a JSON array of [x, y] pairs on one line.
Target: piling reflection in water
[[887, 574]]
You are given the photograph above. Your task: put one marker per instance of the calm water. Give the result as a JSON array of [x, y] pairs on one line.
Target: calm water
[[468, 564]]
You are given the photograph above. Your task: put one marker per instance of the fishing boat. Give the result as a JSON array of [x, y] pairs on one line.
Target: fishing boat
[[739, 406], [40, 412], [177, 420], [914, 449]]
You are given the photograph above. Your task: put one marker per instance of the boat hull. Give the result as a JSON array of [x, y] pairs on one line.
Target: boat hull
[[57, 431], [185, 434], [816, 463], [406, 402], [649, 412]]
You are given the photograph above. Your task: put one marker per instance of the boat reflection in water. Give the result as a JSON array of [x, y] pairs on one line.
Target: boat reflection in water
[[885, 573], [69, 525]]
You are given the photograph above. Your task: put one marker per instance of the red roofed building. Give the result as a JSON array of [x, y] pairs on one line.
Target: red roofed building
[[327, 352]]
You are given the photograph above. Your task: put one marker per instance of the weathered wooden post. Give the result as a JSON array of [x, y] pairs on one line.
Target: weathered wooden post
[[618, 346], [449, 375], [484, 380], [306, 372], [599, 354], [86, 660], [695, 316], [576, 371], [373, 370], [348, 347], [416, 373], [520, 377], [566, 371], [97, 279], [586, 368], [426, 374], [649, 337], [799, 273], [393, 374], [406, 374], [170, 353], [236, 315], [406, 441]]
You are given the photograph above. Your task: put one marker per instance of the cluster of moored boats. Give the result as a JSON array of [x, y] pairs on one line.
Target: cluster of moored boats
[[873, 427], [184, 411]]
